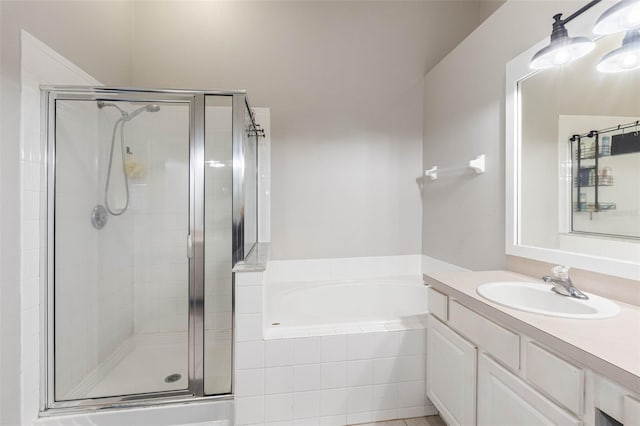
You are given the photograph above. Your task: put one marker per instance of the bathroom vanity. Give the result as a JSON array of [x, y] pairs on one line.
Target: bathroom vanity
[[492, 365]]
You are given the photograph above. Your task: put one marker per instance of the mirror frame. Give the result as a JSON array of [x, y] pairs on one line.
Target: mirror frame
[[516, 70]]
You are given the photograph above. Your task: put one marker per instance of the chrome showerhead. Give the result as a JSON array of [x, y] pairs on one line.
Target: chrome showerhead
[[147, 108], [126, 116]]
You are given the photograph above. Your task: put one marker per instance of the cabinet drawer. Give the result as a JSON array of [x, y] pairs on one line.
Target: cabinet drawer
[[501, 343], [560, 380], [437, 303]]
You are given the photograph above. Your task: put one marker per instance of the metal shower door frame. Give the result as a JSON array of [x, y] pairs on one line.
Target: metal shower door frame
[[195, 241]]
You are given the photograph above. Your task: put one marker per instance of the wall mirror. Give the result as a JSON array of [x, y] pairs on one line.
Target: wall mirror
[[573, 160]]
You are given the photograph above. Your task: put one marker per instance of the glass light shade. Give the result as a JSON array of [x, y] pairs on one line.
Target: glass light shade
[[561, 51], [622, 16], [624, 58]]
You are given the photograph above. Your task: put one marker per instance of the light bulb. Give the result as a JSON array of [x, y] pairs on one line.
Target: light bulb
[[630, 60], [561, 57], [632, 19], [624, 58]]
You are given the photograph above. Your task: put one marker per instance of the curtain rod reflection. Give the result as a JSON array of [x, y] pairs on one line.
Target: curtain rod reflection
[[593, 133]]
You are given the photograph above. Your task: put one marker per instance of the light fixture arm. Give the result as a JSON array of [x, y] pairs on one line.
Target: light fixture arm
[[577, 13]]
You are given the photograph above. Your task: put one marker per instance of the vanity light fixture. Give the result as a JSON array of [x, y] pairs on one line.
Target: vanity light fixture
[[624, 58], [562, 48], [623, 16]]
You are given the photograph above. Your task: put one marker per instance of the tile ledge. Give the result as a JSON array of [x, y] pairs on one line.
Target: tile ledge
[[256, 261]]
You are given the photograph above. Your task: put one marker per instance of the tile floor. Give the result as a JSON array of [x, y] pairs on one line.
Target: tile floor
[[418, 421]]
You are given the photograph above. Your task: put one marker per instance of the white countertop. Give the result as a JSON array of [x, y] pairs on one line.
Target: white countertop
[[610, 347]]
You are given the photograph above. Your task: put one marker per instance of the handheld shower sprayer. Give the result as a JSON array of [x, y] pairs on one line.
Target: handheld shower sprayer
[[124, 117]]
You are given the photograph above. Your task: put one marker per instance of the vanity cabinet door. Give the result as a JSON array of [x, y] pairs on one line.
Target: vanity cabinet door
[[505, 400], [451, 374]]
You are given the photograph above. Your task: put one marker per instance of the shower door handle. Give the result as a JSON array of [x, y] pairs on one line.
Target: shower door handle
[[189, 246]]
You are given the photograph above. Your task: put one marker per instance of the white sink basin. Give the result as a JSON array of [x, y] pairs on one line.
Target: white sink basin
[[539, 299]]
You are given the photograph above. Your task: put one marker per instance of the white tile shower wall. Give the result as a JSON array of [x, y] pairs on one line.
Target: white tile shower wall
[[39, 65], [329, 380], [159, 146], [76, 263], [342, 268], [94, 312]]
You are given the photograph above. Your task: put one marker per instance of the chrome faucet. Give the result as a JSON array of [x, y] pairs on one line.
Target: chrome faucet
[[562, 283]]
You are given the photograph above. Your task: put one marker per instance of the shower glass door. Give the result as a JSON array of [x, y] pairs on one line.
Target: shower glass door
[[120, 265]]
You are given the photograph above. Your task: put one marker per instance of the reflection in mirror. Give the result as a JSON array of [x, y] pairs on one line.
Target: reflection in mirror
[[581, 196]]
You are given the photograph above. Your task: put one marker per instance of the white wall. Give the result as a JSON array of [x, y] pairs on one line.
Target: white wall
[[76, 269], [343, 81], [463, 215]]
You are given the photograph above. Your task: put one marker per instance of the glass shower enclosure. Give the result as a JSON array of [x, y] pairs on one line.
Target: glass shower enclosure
[[151, 199]]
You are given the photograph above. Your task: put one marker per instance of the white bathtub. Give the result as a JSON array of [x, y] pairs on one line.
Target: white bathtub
[[347, 306]]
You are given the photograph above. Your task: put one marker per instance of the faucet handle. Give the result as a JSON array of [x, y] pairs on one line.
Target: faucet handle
[[561, 271]]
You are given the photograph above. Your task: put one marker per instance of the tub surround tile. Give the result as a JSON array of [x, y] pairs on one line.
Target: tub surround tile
[[412, 342], [357, 418], [347, 329], [409, 412], [306, 405], [278, 380], [250, 382], [396, 326], [278, 353], [359, 399], [385, 370], [306, 377], [385, 397], [306, 350], [412, 394], [315, 421], [333, 348], [333, 375], [387, 344], [248, 327], [386, 415], [288, 333], [284, 331], [375, 327], [339, 420], [360, 372], [249, 410], [249, 300], [360, 346], [278, 407], [250, 354], [411, 368], [354, 373], [244, 279], [333, 402]]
